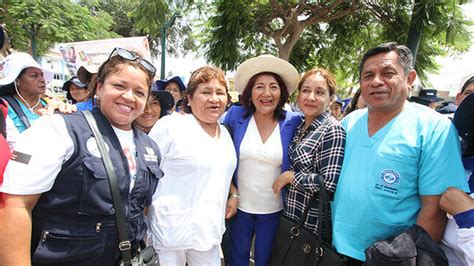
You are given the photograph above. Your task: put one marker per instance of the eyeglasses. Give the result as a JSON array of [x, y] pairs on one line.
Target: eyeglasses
[[126, 54]]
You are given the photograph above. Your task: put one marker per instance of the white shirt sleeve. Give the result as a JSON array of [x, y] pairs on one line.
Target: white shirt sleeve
[[12, 132], [160, 133], [466, 243], [40, 150]]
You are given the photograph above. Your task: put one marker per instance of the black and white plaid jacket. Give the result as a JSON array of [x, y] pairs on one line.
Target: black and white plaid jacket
[[316, 152]]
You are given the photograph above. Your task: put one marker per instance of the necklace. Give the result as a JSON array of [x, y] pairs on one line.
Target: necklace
[[300, 135], [27, 104], [31, 108]]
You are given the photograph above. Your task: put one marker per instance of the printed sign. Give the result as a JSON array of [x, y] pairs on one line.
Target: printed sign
[[91, 54]]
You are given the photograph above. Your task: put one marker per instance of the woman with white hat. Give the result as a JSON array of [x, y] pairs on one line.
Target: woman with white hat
[[85, 75], [23, 86], [57, 206], [262, 131], [466, 89], [23, 80]]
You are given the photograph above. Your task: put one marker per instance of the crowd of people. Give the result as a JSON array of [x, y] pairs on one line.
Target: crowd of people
[[197, 175]]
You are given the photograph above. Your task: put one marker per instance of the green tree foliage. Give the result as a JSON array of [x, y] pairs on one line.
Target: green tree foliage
[[53, 22], [238, 29], [230, 32], [347, 38], [149, 16], [251, 25], [118, 10]]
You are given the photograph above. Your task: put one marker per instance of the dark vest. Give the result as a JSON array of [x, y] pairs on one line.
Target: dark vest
[[74, 222]]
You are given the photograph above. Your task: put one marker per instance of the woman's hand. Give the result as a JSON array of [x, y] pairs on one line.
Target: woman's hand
[[285, 178], [54, 105], [232, 201], [231, 210]]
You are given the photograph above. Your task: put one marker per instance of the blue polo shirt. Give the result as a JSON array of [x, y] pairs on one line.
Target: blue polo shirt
[[382, 178], [85, 106]]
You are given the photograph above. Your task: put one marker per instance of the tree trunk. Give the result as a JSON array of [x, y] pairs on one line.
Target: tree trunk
[[284, 51], [416, 26]]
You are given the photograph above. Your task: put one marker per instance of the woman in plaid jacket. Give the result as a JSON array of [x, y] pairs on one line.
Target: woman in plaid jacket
[[317, 150]]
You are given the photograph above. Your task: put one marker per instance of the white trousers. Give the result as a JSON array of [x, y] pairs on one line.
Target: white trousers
[[190, 256]]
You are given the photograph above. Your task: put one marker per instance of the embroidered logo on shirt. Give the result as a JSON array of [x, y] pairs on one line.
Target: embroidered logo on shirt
[[20, 157], [150, 155], [390, 178], [92, 147]]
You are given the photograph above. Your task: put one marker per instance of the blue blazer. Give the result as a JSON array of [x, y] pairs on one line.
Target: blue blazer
[[237, 122]]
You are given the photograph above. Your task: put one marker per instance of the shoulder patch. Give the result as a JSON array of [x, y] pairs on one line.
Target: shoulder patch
[[20, 157], [150, 155], [93, 147]]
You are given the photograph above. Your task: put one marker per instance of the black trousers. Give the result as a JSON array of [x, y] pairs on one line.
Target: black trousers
[[354, 262]]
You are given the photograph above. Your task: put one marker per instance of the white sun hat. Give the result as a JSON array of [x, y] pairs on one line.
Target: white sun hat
[[463, 80], [85, 73], [15, 63], [266, 63]]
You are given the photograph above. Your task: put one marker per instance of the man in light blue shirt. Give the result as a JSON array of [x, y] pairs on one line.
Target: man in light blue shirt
[[399, 158]]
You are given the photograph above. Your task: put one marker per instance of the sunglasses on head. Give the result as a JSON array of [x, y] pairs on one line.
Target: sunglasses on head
[[126, 54]]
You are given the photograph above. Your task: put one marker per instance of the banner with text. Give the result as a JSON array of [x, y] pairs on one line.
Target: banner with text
[[91, 54]]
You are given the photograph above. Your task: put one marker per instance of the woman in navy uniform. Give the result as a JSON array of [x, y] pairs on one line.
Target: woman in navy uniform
[[56, 192]]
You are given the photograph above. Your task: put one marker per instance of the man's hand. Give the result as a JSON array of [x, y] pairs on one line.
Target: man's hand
[[455, 201], [285, 178]]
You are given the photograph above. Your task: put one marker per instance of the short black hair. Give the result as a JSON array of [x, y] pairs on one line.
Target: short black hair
[[404, 54]]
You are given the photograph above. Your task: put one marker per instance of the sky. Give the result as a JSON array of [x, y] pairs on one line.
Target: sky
[[182, 66]]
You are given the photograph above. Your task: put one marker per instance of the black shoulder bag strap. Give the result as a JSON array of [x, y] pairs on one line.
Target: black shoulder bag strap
[[17, 108], [306, 211], [322, 206], [323, 210], [124, 243]]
